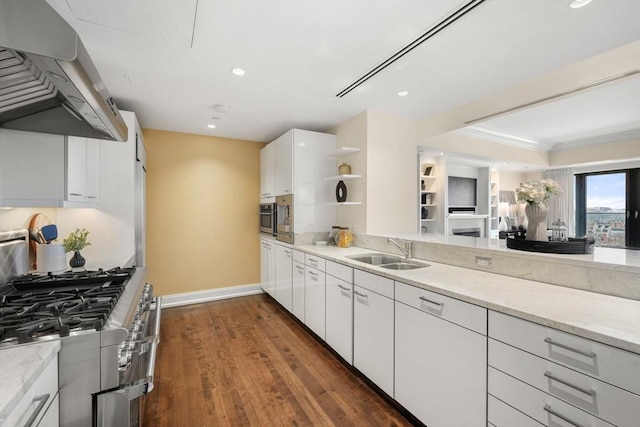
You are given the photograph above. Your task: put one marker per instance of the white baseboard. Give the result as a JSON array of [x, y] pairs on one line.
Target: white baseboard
[[210, 295]]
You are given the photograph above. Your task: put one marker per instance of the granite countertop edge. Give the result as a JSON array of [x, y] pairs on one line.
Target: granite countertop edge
[[603, 318]]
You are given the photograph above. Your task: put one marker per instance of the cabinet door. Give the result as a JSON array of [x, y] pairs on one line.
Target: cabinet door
[[284, 164], [339, 317], [439, 366], [373, 337], [297, 291], [32, 169], [76, 169], [314, 300], [284, 264], [51, 417], [264, 265], [268, 171], [271, 269], [93, 170]]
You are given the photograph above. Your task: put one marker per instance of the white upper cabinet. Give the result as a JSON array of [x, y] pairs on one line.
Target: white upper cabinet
[[284, 164], [268, 171], [82, 169], [32, 172]]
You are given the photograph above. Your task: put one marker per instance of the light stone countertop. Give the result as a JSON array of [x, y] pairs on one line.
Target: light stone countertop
[[607, 319], [20, 367]]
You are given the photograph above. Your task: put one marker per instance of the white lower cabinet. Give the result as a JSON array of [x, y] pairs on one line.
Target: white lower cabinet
[[297, 288], [561, 379], [314, 300], [373, 332], [440, 367], [268, 266], [339, 309], [502, 415], [283, 282]]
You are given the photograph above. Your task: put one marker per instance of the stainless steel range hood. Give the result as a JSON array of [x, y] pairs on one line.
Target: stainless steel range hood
[[48, 83]]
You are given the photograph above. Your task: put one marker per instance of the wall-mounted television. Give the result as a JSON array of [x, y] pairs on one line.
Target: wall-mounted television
[[462, 191]]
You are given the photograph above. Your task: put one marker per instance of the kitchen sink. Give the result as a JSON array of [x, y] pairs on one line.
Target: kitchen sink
[[375, 259], [403, 265], [390, 262]]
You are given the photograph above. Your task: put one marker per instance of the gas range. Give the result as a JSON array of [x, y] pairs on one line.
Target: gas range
[[40, 305], [108, 324]]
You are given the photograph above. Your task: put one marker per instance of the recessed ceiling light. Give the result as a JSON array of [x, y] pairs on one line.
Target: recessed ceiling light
[[238, 71], [403, 93], [442, 154], [220, 108], [575, 4], [211, 126]]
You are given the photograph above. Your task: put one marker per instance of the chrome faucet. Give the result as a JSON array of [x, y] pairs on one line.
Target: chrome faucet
[[406, 250]]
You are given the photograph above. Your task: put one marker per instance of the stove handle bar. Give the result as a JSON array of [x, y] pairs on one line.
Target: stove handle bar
[[154, 339]]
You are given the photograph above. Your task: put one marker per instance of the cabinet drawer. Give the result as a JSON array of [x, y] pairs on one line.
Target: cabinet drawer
[[459, 312], [537, 404], [614, 366], [610, 403], [378, 284], [314, 261], [37, 399], [502, 415], [298, 256], [340, 271]]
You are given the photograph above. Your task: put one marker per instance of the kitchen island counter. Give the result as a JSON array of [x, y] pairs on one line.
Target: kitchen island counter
[[608, 319]]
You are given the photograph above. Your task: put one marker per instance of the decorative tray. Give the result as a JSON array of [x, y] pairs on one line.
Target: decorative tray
[[573, 246]]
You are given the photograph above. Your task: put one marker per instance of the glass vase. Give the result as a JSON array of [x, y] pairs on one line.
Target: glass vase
[[537, 222]]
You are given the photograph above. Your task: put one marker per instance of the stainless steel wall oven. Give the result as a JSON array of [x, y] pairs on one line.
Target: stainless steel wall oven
[[267, 216]]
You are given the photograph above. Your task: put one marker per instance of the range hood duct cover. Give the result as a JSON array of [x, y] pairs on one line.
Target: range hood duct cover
[[48, 83]]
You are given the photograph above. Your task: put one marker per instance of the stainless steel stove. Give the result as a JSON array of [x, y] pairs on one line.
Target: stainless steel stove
[[108, 322]]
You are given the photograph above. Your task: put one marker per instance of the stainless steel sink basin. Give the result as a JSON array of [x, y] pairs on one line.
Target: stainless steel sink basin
[[403, 265], [376, 259], [390, 262]]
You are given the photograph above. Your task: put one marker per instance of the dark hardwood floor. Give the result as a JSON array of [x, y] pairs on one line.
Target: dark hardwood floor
[[246, 362]]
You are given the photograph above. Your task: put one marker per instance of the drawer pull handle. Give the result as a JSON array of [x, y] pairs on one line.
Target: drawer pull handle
[[566, 347], [43, 400], [568, 384], [344, 288], [299, 268], [562, 417], [439, 304], [360, 295]]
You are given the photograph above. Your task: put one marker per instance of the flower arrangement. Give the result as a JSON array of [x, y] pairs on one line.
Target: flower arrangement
[[537, 192], [76, 241]]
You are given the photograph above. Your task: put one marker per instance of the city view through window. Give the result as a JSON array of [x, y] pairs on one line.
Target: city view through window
[[606, 197]]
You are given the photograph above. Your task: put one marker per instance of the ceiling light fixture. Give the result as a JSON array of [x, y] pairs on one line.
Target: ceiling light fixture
[[403, 93], [238, 71], [575, 4], [220, 108], [211, 126]]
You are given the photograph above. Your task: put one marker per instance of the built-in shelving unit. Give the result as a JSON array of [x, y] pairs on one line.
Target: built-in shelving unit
[[428, 196], [341, 152], [494, 194]]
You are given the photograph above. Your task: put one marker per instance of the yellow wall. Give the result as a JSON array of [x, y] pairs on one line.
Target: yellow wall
[[202, 204]]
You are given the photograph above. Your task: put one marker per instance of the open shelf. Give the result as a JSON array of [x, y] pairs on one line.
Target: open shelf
[[342, 177], [343, 151]]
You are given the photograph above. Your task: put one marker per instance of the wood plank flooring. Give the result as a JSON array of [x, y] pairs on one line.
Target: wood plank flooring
[[245, 362]]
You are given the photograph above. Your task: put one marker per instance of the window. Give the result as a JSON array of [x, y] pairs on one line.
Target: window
[[608, 207]]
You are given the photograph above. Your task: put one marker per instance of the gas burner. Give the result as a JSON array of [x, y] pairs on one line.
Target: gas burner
[[33, 306]]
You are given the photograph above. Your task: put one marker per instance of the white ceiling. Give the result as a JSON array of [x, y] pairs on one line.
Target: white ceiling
[[170, 61]]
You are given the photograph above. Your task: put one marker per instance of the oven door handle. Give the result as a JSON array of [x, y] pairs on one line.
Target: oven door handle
[[154, 339]]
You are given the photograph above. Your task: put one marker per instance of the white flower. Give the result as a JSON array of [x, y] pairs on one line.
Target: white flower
[[537, 192]]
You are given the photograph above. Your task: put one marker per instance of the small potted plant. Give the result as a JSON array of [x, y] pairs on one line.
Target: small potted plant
[[75, 242]]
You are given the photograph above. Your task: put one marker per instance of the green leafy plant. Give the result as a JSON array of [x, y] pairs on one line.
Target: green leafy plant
[[76, 241]]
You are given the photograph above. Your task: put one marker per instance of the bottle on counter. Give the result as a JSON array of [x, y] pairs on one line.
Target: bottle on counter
[[344, 238], [333, 234]]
